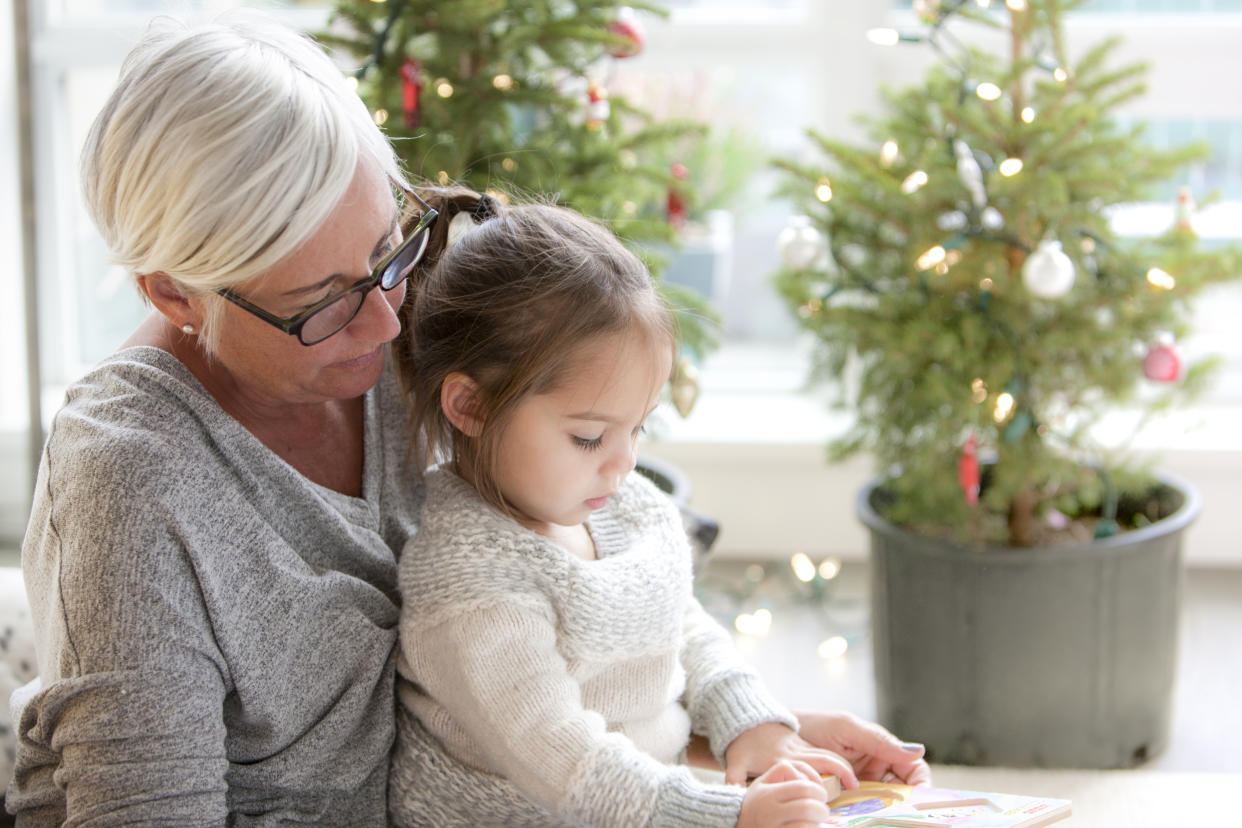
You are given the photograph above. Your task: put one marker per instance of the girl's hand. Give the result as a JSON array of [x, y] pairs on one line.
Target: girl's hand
[[761, 747], [789, 795], [874, 753]]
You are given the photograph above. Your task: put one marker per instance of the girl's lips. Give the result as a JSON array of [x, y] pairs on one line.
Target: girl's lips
[[598, 502]]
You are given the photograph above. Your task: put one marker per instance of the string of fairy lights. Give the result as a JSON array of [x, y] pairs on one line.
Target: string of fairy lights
[[750, 599]]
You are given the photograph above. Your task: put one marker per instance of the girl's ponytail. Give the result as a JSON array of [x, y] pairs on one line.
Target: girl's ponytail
[[450, 203]]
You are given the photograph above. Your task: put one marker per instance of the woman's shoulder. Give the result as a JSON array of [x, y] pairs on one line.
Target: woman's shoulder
[[140, 398], [137, 384]]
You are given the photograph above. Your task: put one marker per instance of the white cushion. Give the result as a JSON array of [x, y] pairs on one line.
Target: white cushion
[[17, 660]]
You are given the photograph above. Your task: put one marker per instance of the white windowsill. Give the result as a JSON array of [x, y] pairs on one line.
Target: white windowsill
[[753, 448]]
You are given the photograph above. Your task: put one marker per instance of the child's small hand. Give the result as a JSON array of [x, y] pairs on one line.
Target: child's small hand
[[790, 795], [761, 747]]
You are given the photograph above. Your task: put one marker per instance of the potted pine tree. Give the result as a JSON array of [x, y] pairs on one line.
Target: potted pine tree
[[1026, 583]]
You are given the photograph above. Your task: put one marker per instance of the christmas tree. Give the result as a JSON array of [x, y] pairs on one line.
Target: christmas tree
[[511, 98], [963, 269]]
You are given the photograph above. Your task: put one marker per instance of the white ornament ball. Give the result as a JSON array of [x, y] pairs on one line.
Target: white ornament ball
[[1048, 272], [800, 245], [955, 220]]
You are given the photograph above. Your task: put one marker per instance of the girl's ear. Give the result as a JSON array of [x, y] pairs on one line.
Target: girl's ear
[[459, 397]]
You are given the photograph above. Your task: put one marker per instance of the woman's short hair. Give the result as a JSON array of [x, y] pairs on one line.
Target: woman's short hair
[[223, 147], [511, 305]]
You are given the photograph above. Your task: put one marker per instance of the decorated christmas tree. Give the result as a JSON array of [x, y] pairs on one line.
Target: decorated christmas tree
[[962, 270], [511, 98]]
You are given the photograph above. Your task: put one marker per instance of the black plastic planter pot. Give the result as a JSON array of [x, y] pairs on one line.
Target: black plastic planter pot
[[1029, 657]]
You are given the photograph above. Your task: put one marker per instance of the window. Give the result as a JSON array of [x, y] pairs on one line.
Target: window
[[766, 69]]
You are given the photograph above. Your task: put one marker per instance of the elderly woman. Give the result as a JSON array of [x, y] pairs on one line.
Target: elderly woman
[[211, 557]]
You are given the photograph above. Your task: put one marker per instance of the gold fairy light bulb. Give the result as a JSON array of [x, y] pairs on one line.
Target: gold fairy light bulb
[[1060, 74], [914, 181], [829, 568], [1028, 114], [508, 165], [888, 153], [1016, 5], [1161, 279], [754, 623], [978, 390], [1010, 167], [803, 567], [444, 89], [1004, 407], [833, 647], [381, 117], [823, 190], [503, 82], [931, 258], [988, 91]]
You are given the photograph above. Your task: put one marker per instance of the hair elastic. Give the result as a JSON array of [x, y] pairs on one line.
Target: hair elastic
[[485, 209]]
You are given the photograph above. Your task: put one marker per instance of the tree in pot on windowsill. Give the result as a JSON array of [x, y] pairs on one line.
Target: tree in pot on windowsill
[[962, 268]]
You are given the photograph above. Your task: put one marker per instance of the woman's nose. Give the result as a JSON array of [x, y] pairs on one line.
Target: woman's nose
[[377, 319]]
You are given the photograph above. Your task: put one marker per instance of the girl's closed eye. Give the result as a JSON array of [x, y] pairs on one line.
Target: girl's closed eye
[[588, 443]]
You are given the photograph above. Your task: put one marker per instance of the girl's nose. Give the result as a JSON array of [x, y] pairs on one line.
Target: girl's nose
[[622, 461]]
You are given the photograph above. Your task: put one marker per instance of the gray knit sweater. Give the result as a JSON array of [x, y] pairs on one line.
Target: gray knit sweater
[[539, 689], [215, 632]]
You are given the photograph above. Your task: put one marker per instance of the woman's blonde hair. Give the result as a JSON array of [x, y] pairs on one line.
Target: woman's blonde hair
[[221, 150], [511, 305]]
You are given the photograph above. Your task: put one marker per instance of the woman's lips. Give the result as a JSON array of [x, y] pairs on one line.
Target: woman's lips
[[362, 361]]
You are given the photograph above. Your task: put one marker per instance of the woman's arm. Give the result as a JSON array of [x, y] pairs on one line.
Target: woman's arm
[[129, 721]]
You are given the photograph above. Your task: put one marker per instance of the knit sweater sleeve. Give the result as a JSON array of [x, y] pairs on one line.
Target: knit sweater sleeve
[[497, 671], [130, 725], [724, 695]]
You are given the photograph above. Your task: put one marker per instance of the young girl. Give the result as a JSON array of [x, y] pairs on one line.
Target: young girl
[[553, 661]]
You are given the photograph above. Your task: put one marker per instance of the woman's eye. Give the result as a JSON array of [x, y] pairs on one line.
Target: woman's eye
[[588, 444]]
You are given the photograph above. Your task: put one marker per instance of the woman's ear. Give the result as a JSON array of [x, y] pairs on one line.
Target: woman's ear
[[168, 299], [459, 398]]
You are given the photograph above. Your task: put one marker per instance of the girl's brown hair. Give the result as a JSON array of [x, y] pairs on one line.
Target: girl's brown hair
[[510, 305]]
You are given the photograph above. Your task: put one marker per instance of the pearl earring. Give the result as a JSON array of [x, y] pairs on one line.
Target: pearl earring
[[187, 328]]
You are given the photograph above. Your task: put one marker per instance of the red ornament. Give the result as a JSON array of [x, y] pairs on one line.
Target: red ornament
[[968, 471], [598, 108], [411, 86], [677, 211], [1162, 363], [1184, 211], [627, 26]]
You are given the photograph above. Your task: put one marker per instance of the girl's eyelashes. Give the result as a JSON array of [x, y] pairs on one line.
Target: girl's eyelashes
[[587, 443]]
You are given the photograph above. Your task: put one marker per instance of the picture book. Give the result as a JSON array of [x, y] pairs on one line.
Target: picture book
[[893, 805]]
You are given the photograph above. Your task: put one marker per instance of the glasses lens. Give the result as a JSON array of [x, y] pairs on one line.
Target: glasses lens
[[332, 318], [399, 268]]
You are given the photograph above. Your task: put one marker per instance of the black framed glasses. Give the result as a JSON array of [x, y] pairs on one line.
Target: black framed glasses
[[331, 314]]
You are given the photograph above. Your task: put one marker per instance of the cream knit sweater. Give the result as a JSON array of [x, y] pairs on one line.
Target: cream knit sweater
[[541, 689]]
